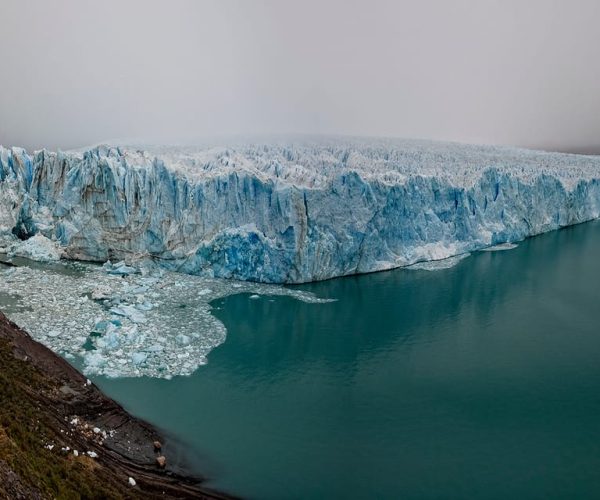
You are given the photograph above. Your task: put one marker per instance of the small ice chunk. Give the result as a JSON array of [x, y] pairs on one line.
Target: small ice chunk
[[129, 312], [120, 268], [182, 339], [100, 327], [94, 361], [102, 292], [137, 358], [111, 339]]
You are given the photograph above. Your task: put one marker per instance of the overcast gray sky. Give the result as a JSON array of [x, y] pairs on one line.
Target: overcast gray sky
[[524, 72]]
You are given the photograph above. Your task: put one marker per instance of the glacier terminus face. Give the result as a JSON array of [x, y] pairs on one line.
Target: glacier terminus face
[[287, 211]]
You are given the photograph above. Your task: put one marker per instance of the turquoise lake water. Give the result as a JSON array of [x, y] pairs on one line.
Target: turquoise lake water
[[479, 381]]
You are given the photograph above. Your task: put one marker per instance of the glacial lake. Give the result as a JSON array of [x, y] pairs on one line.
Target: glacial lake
[[477, 381]]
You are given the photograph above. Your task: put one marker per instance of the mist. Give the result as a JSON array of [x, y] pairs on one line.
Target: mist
[[501, 72]]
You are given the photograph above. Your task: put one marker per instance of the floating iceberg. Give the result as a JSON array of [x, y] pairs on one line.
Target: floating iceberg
[[294, 211]]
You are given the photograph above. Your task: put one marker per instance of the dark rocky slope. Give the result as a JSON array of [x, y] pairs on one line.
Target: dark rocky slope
[[48, 410]]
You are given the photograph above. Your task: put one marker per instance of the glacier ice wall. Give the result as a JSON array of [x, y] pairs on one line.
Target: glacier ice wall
[[291, 212]]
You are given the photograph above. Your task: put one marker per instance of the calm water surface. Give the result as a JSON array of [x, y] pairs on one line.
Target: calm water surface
[[480, 381]]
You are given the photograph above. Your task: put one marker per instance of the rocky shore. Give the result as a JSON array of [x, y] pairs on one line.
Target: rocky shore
[[60, 437]]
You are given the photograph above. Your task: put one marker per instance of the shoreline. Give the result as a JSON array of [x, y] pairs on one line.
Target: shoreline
[[56, 410]]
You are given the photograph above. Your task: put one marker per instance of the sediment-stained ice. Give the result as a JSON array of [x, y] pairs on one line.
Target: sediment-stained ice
[[290, 211], [156, 324]]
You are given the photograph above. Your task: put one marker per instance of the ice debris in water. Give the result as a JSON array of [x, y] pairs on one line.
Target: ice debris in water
[[119, 322], [437, 265], [120, 268], [502, 246]]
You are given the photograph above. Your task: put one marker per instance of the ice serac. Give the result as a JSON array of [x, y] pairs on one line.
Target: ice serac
[[294, 211]]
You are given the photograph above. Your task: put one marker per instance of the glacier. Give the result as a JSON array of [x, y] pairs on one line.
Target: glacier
[[290, 210]]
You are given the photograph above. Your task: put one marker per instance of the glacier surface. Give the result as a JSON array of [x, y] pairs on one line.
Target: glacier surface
[[288, 211]]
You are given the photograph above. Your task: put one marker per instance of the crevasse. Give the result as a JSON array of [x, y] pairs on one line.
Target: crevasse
[[294, 211]]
